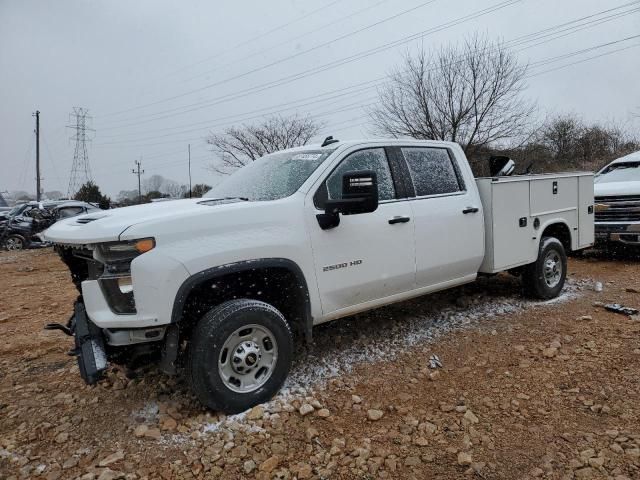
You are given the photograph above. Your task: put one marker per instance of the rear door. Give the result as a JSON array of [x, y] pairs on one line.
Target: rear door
[[367, 256], [447, 216]]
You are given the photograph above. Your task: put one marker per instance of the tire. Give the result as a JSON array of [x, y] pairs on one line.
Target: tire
[[543, 280], [15, 242], [246, 335]]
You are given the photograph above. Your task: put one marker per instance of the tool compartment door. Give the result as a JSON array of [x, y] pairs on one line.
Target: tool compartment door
[[513, 242], [553, 195]]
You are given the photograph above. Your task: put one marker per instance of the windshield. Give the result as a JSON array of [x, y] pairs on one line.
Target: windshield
[[271, 177], [17, 209], [621, 172]]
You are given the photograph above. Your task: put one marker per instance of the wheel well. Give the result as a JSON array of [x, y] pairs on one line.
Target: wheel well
[[561, 232], [276, 285]]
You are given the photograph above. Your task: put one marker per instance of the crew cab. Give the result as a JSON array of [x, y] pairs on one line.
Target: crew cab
[[224, 285], [617, 191]]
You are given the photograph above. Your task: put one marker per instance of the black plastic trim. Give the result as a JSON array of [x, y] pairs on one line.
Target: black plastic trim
[[190, 283], [400, 173]]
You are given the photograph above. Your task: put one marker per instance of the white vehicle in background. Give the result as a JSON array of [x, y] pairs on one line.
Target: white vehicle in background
[[224, 285], [617, 198]]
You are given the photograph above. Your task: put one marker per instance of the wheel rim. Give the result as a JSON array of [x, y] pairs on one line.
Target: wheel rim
[[248, 358], [552, 269], [14, 244]]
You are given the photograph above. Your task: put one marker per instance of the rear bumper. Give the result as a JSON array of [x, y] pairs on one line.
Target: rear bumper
[[627, 233]]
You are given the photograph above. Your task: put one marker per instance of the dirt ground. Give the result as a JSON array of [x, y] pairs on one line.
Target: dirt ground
[[547, 390]]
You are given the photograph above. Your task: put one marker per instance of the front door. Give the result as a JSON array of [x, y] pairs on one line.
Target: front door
[[368, 256]]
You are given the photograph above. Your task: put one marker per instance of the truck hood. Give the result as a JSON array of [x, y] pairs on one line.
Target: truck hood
[[605, 189], [108, 225]]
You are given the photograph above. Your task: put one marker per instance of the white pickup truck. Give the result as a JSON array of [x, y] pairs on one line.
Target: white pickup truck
[[225, 284], [617, 202]]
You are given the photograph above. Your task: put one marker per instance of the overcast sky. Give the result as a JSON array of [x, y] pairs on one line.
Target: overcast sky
[[158, 75]]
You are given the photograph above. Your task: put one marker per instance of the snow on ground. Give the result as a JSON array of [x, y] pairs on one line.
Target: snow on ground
[[382, 334]]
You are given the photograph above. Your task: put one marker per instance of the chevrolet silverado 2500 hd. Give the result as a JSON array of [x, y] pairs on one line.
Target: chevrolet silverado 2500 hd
[[224, 284], [617, 191]]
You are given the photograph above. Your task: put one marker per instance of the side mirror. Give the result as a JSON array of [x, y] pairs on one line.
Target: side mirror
[[359, 195]]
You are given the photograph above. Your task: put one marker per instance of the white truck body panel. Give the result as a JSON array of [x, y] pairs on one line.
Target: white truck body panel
[[513, 207], [440, 247]]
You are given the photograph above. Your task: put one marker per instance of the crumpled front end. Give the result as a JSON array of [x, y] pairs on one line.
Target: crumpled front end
[[123, 313]]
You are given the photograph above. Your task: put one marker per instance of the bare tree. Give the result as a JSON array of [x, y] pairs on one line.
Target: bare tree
[[153, 183], [470, 94], [239, 146]]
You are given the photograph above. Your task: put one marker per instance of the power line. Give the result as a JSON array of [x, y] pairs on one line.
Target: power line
[[349, 59], [316, 47], [584, 60], [288, 41], [243, 116], [548, 34], [55, 170], [538, 63], [259, 36], [520, 40], [369, 84]]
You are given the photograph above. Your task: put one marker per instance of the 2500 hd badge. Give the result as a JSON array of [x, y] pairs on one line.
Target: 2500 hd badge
[[338, 266]]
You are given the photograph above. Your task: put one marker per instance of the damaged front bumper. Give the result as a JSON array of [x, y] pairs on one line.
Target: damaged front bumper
[[95, 347], [89, 343]]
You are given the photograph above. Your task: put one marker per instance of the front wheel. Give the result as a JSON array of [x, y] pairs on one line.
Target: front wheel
[[15, 242], [240, 355], [545, 277]]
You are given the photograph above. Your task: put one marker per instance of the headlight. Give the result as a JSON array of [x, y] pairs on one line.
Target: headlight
[[112, 252], [116, 281]]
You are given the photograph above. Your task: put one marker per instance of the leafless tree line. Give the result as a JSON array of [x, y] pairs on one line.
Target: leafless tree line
[[470, 93]]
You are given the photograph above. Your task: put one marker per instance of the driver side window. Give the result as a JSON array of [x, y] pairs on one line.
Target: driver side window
[[370, 159]]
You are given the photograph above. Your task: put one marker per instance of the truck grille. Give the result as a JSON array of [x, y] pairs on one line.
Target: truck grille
[[619, 208]]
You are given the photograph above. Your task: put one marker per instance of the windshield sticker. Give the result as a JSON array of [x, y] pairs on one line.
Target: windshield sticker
[[307, 156]]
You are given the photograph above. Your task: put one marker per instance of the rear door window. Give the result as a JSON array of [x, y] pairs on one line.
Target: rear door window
[[432, 171]]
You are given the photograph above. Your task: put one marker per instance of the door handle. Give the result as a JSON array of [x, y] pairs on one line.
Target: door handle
[[470, 210], [395, 220]]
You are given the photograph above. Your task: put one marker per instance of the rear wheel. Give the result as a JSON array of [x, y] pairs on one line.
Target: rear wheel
[[15, 242], [545, 277], [240, 355]]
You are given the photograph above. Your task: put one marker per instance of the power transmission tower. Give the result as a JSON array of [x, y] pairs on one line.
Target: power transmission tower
[[138, 172], [80, 170], [38, 189]]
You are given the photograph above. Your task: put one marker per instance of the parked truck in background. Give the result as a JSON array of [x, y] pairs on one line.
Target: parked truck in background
[[617, 202], [224, 285]]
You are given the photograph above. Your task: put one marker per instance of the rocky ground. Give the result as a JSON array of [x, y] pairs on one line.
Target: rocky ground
[[527, 390]]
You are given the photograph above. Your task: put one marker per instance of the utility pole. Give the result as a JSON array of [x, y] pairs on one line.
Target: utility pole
[[138, 172], [37, 115], [189, 170]]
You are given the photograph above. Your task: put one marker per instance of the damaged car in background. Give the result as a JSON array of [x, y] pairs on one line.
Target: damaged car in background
[[617, 202], [20, 227]]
